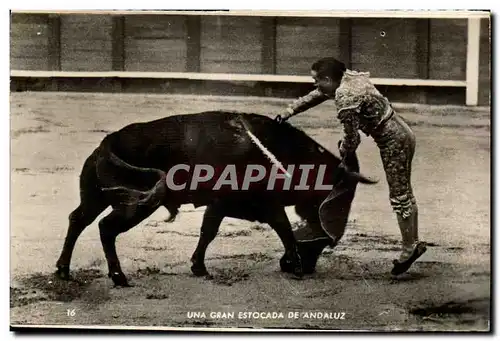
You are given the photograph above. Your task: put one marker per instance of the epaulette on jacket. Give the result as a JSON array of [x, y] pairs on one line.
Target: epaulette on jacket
[[354, 90], [357, 96]]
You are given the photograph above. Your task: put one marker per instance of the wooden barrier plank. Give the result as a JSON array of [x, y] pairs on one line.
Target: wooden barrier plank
[[156, 55], [155, 27], [232, 55], [302, 41], [290, 55], [155, 43], [29, 38], [152, 66], [422, 45], [25, 18], [88, 26], [27, 49], [193, 43], [161, 46], [268, 43], [230, 44], [229, 66], [422, 48], [311, 22], [86, 42], [448, 49], [345, 42], [54, 42], [385, 48], [97, 46], [86, 61], [118, 43], [28, 31], [28, 63]]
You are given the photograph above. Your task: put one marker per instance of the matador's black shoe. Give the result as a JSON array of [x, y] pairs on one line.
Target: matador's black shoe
[[401, 266]]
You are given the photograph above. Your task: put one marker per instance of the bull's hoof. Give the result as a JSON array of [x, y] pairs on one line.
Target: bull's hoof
[[199, 271], [119, 279], [62, 272], [298, 272], [286, 264], [309, 270]]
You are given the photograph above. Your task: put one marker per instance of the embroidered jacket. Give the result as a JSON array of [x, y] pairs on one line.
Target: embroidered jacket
[[360, 106]]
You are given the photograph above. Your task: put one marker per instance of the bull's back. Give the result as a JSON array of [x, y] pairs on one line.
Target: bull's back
[[208, 137], [217, 138]]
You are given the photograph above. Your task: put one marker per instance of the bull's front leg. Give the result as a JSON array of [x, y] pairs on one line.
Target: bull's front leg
[[209, 228], [278, 220]]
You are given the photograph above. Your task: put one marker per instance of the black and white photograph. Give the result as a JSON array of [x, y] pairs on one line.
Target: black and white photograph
[[250, 171]]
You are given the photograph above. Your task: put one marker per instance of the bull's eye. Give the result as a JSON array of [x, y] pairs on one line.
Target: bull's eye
[[321, 149]]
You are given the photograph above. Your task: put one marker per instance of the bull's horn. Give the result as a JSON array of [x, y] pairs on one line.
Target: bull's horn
[[361, 178]]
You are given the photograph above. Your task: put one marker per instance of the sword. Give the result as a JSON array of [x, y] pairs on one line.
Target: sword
[[262, 148]]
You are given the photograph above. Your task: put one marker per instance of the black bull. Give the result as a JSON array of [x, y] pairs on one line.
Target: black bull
[[128, 171]]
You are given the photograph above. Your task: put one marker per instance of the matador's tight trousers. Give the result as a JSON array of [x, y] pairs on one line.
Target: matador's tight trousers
[[396, 142]]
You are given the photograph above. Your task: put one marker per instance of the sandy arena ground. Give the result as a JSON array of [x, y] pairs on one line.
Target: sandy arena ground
[[448, 289]]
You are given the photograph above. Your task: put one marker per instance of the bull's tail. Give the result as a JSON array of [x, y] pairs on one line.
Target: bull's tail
[[126, 184]]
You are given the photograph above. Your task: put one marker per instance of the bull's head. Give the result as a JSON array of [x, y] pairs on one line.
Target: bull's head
[[326, 217], [326, 213]]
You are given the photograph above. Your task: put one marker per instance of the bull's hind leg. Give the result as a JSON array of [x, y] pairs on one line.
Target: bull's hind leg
[[92, 204], [120, 220], [79, 219], [209, 228]]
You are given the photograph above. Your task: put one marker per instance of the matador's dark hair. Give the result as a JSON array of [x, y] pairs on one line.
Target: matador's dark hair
[[329, 67]]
